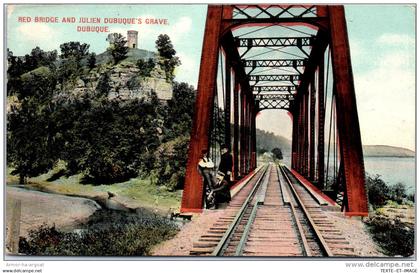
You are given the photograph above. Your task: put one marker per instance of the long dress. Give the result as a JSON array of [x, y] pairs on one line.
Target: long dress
[[205, 168]]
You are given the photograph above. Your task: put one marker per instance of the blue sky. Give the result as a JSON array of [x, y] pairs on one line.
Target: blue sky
[[382, 41]]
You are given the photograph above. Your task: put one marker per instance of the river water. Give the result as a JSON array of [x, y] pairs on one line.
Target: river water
[[393, 170]]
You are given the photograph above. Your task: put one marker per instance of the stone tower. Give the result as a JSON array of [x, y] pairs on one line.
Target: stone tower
[[132, 38]]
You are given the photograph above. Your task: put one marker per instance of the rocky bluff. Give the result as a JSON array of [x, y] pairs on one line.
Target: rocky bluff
[[123, 80]]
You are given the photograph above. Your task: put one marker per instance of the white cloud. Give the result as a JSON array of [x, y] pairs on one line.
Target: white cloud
[[357, 50], [120, 30], [385, 98], [188, 70], [180, 28], [397, 59], [276, 121], [394, 39], [36, 32], [149, 33]]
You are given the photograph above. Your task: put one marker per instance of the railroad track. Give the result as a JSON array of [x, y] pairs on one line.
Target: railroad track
[[273, 215]]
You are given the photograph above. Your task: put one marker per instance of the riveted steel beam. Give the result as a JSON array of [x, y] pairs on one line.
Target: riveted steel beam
[[274, 42], [279, 88], [275, 63], [347, 118], [274, 104], [274, 77], [192, 200]]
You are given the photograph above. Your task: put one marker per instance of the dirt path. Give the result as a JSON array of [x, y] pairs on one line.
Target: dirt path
[[45, 208]]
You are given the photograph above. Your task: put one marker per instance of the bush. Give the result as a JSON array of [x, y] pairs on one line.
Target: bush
[[398, 192], [395, 237], [107, 233], [171, 163], [145, 67], [378, 191]]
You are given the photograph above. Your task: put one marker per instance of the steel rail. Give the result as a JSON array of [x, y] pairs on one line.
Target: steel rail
[[221, 246], [259, 201], [306, 249], [322, 242], [320, 202]]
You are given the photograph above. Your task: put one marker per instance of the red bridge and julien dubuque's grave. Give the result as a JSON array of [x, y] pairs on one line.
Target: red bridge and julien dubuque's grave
[[294, 58]]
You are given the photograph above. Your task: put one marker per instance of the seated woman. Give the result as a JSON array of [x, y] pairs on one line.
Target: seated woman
[[205, 168]]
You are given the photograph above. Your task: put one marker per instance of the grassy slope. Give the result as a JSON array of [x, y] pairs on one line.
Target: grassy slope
[[135, 192], [133, 55]]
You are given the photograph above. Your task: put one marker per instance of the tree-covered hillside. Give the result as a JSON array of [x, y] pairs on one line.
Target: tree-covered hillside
[[78, 107], [267, 141]]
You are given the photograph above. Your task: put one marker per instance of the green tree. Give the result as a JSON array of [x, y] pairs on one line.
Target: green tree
[[103, 88], [180, 110], [170, 168], [39, 57], [277, 154], [146, 67], [117, 46], [398, 192], [74, 50], [92, 60], [164, 46], [167, 52], [378, 191], [68, 70], [14, 70], [72, 54], [29, 134]]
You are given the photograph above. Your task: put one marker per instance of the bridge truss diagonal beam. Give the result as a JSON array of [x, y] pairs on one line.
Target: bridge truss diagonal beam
[[275, 78], [274, 104], [280, 88], [274, 42], [275, 63]]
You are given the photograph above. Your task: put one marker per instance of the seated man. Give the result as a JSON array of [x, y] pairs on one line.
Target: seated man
[[221, 190]]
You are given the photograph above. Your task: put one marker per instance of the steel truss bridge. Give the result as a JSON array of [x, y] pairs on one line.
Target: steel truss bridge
[[294, 58]]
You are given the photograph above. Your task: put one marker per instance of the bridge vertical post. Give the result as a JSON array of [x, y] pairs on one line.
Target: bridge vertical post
[[245, 138], [251, 136], [248, 135], [227, 105], [306, 134], [295, 117], [321, 11], [347, 117], [312, 132], [193, 189], [254, 138], [301, 133], [242, 135], [321, 125], [235, 129], [296, 133]]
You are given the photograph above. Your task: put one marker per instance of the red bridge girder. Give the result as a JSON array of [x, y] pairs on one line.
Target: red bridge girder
[[306, 100]]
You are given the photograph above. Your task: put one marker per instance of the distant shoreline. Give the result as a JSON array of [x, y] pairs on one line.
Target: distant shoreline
[[386, 151], [399, 156]]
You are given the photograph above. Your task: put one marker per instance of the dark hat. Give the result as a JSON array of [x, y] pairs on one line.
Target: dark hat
[[224, 146]]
